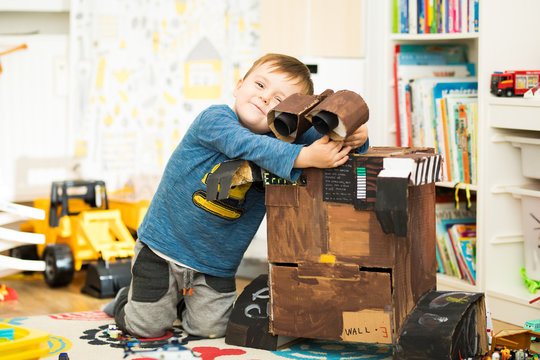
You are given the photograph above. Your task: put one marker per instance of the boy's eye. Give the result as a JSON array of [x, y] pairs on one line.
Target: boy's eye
[[278, 99], [260, 84]]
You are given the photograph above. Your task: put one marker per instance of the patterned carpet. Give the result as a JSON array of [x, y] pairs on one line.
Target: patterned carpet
[[83, 335]]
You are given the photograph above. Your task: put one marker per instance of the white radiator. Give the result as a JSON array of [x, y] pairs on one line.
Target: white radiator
[[34, 126]]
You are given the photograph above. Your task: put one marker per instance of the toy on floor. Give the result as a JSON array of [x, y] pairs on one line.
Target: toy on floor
[[7, 334], [532, 285], [114, 332], [503, 353], [13, 240], [7, 293], [80, 229], [23, 343], [519, 339], [172, 350], [533, 325]]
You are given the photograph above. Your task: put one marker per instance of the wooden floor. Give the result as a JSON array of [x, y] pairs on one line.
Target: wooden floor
[[36, 298]]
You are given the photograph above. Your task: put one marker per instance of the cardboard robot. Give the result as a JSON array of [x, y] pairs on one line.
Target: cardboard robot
[[351, 250]]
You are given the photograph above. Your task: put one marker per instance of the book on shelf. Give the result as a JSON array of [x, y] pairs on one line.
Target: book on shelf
[[435, 16], [463, 238], [407, 77], [442, 89], [461, 140], [456, 258], [417, 61], [413, 17]]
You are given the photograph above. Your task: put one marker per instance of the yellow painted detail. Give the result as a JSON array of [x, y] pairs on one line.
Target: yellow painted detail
[[241, 25], [217, 208], [108, 120], [203, 79], [156, 41], [100, 74], [169, 98], [180, 7], [123, 96], [122, 75], [81, 147], [328, 259]]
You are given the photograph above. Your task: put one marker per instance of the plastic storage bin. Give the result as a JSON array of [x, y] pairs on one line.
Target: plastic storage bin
[[530, 215], [530, 153], [26, 344]]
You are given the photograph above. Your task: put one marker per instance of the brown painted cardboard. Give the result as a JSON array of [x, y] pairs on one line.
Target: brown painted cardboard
[[298, 105], [350, 108], [319, 306], [321, 254]]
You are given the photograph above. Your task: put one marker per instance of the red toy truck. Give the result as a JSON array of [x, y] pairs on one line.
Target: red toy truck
[[510, 83]]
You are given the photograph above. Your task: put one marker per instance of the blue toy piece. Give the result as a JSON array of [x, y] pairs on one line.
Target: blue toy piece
[[7, 334], [173, 350], [533, 325]]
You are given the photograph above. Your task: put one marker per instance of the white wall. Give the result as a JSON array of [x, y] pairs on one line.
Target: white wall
[[34, 126]]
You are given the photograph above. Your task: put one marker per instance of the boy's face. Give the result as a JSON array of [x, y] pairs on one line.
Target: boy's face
[[258, 93]]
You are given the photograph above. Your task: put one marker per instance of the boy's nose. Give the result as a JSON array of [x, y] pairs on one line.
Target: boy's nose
[[265, 98]]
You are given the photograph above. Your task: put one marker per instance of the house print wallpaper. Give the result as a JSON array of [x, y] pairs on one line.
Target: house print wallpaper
[[141, 72]]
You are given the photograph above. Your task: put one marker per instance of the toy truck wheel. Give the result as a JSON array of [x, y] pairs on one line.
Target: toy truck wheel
[[59, 266], [509, 93]]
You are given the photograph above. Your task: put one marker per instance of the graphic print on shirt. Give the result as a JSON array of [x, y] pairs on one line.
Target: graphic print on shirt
[[228, 209]]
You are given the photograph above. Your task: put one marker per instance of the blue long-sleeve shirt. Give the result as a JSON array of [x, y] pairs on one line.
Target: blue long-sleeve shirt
[[179, 227]]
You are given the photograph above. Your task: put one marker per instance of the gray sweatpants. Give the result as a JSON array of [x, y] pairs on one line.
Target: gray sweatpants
[[156, 293]]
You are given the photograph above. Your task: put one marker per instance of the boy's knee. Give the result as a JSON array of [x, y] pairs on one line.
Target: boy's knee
[[148, 331], [206, 330]]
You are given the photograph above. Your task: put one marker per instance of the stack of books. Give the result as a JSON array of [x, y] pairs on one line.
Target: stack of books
[[456, 240], [435, 16], [437, 105]]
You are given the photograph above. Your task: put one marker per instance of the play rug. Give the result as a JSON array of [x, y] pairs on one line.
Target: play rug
[[83, 335]]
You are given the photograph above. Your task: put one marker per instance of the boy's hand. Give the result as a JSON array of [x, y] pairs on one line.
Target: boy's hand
[[357, 138], [323, 154]]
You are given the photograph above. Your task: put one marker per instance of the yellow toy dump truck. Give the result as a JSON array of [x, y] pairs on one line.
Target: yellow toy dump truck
[[80, 228]]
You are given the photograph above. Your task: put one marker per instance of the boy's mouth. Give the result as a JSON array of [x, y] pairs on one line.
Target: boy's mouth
[[259, 108]]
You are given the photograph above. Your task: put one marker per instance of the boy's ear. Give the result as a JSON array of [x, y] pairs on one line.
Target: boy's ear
[[238, 85]]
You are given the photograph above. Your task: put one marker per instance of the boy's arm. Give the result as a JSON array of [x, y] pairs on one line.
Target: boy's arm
[[359, 140], [323, 154]]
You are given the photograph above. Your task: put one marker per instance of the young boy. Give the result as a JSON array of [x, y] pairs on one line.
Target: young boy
[[189, 248]]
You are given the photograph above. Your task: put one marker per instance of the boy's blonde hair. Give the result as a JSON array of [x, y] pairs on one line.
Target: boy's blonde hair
[[290, 66]]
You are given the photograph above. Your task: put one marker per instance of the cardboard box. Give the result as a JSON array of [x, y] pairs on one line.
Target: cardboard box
[[334, 272]]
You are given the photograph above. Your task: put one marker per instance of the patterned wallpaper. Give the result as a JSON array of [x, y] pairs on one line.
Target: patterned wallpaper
[[143, 69]]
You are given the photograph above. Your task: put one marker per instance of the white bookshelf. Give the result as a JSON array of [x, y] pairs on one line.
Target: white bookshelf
[[503, 43]]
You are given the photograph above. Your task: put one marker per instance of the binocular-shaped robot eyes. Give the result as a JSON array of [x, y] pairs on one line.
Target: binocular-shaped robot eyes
[[335, 114], [325, 121], [286, 123]]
